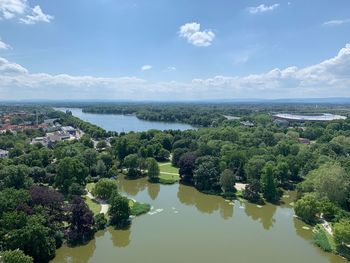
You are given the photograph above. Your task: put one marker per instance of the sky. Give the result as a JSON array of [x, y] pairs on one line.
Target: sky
[[174, 50]]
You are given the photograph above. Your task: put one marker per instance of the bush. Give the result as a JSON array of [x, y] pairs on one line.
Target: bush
[[307, 208], [320, 239], [100, 221], [15, 256], [139, 208]]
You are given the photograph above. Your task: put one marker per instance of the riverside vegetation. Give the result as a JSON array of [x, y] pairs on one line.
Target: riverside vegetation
[[41, 204]]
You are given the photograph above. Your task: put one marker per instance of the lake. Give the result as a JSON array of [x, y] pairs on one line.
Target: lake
[[188, 226], [124, 123]]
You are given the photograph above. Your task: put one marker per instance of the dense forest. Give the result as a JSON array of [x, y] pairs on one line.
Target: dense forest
[[42, 189]]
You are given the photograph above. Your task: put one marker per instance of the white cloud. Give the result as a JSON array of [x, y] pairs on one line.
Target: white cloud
[[191, 32], [20, 9], [37, 15], [326, 79], [7, 68], [336, 22], [171, 68], [146, 67], [12, 8], [3, 45], [262, 8]]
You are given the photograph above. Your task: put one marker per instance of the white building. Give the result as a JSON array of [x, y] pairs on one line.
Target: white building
[[4, 153]]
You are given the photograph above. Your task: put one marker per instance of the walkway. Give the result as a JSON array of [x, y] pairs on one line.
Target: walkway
[[103, 203]]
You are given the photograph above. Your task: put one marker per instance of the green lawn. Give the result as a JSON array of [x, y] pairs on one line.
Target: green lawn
[[93, 205], [168, 173], [138, 208]]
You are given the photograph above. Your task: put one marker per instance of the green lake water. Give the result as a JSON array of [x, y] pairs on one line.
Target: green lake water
[[188, 226]]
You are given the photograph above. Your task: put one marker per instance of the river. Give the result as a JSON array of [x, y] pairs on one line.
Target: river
[[124, 123], [188, 226]]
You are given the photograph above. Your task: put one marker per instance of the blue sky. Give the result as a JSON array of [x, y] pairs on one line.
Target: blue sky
[[160, 49]]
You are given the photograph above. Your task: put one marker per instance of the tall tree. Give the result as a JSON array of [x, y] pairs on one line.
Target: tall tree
[[152, 169], [268, 183], [81, 222], [119, 210]]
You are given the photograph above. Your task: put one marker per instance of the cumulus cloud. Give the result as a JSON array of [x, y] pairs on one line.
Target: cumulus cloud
[[146, 67], [3, 45], [8, 68], [20, 9], [191, 32], [328, 78], [262, 8], [37, 15], [336, 22]]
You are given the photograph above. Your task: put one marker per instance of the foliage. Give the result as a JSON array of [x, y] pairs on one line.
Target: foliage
[[15, 256], [81, 222], [227, 181], [119, 210], [100, 221], [139, 208], [307, 208], [104, 188], [152, 169]]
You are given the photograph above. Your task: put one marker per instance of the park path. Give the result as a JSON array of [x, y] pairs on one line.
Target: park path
[[103, 203]]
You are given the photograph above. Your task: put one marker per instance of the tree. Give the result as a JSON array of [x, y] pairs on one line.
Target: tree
[[227, 181], [107, 159], [268, 184], [307, 208], [332, 182], [152, 169], [12, 199], [253, 168], [251, 192], [132, 163], [101, 145], [104, 188], [282, 172], [70, 170], [119, 210], [341, 232], [81, 222], [100, 221], [207, 174], [38, 174], [101, 168], [90, 158], [177, 153], [16, 176], [187, 165], [15, 256], [29, 234]]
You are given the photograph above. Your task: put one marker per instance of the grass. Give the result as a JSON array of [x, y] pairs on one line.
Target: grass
[[138, 208], [168, 173], [323, 239], [93, 205]]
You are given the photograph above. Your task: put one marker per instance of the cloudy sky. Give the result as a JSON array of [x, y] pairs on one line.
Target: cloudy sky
[[174, 50]]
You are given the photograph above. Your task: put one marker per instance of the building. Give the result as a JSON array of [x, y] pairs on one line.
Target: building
[[4, 153], [69, 129]]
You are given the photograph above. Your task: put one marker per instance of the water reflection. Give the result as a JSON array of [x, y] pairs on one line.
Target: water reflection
[[263, 214], [204, 203], [153, 190], [120, 237], [78, 254], [132, 187]]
